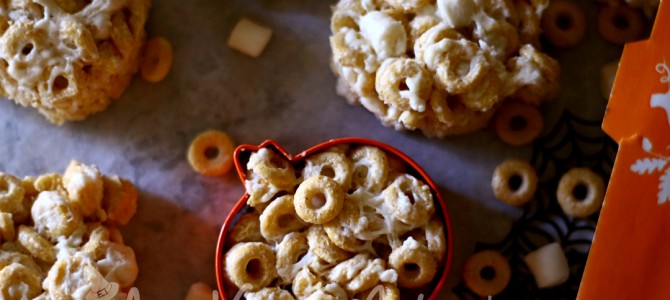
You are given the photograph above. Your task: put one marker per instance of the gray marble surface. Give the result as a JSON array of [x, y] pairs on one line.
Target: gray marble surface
[[286, 94]]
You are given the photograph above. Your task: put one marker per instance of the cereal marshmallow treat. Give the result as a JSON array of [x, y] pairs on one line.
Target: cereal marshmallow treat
[[442, 67], [69, 58]]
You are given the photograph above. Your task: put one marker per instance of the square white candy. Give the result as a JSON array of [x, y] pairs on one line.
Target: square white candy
[[548, 265], [249, 38]]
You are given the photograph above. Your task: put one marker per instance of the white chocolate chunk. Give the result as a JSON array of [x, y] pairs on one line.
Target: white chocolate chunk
[[548, 265], [249, 38], [386, 35]]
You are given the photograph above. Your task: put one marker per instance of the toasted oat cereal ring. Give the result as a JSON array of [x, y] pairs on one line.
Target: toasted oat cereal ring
[[518, 124], [323, 247], [48, 182], [514, 182], [528, 22], [273, 168], [414, 263], [486, 273], [7, 232], [385, 291], [280, 218], [343, 19], [330, 164], [486, 96], [11, 193], [251, 266], [411, 6], [564, 23], [291, 249], [318, 199], [28, 184], [419, 25], [115, 235], [404, 83], [10, 256], [340, 230], [211, 153], [358, 273], [430, 47], [619, 24], [306, 283], [71, 273], [463, 67], [436, 240], [96, 246], [456, 117], [533, 61], [273, 293], [19, 282], [410, 200], [53, 216], [119, 199], [36, 245], [157, 59], [118, 264], [351, 49], [246, 229], [501, 36], [370, 167], [580, 192]]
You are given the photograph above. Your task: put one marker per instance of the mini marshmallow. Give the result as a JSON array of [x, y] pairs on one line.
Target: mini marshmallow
[[387, 35], [249, 38], [548, 265]]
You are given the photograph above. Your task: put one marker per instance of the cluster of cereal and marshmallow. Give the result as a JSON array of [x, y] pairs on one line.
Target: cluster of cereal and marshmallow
[[344, 223], [59, 236], [69, 58], [442, 67]]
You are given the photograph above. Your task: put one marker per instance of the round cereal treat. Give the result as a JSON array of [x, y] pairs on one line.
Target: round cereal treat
[[211, 153], [73, 61], [156, 60], [404, 83], [486, 273], [272, 168], [250, 266], [330, 164], [580, 192], [619, 24], [386, 53], [269, 293], [11, 193], [370, 167], [291, 249], [36, 245], [279, 219], [514, 182], [19, 282], [246, 229], [385, 291], [318, 199], [518, 124], [119, 199], [323, 247], [410, 200], [414, 263], [564, 23]]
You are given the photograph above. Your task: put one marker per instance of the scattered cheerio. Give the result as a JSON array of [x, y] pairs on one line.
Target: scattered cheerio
[[157, 60], [607, 75], [211, 153], [548, 265], [200, 291], [249, 38]]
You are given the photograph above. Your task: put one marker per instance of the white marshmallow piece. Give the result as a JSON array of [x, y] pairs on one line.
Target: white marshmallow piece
[[548, 265], [387, 36], [249, 38], [457, 13]]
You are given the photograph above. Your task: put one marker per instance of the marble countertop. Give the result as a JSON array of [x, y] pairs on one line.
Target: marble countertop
[[287, 94]]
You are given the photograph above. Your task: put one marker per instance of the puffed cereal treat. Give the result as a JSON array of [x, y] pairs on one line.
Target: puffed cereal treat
[[397, 58], [50, 250], [353, 220], [69, 59]]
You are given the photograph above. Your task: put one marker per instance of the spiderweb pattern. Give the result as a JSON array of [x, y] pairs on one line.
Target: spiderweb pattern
[[573, 142]]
